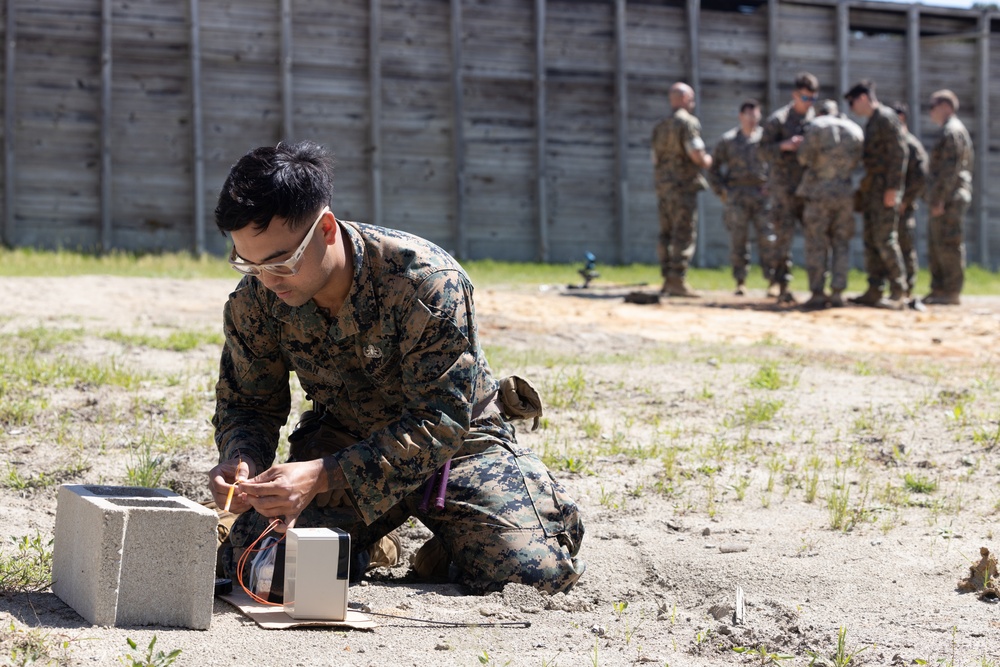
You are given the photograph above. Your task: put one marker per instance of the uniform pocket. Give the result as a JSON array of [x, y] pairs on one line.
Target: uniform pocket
[[558, 514]]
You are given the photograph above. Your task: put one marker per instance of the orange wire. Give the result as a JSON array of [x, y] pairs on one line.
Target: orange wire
[[241, 563]]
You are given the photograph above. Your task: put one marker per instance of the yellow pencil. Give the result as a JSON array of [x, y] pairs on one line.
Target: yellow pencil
[[229, 496]]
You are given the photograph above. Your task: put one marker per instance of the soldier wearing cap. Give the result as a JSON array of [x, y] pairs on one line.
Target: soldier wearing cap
[[830, 151], [916, 185], [949, 193], [739, 177], [783, 133], [879, 196], [679, 155]]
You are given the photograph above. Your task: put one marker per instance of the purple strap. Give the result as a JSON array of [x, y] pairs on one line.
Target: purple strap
[[442, 487]]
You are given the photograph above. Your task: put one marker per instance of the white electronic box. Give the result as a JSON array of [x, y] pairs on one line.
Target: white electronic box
[[317, 568]]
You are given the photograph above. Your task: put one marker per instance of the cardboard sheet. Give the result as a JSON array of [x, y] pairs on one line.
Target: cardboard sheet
[[274, 617]]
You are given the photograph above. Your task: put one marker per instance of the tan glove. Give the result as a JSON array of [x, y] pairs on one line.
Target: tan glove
[[520, 400]]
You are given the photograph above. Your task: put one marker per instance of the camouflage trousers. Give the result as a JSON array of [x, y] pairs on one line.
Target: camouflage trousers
[[747, 207], [828, 227], [883, 259], [786, 209], [907, 232], [678, 230], [946, 247], [505, 519]]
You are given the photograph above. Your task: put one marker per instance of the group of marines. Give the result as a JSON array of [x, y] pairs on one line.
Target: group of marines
[[798, 166]]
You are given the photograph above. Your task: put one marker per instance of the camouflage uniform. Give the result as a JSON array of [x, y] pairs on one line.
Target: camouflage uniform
[[738, 176], [950, 183], [885, 157], [916, 184], [678, 181], [785, 175], [830, 151], [400, 367]]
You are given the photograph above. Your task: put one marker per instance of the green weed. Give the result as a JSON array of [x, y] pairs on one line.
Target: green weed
[[29, 568], [145, 467], [919, 483], [841, 657], [767, 377], [137, 659]]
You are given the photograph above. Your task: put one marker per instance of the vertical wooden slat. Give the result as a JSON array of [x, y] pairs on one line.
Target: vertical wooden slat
[[983, 138], [773, 8], [9, 121], [196, 129], [913, 68], [458, 128], [375, 107], [694, 74], [287, 112], [106, 191], [843, 33], [541, 162], [621, 134]]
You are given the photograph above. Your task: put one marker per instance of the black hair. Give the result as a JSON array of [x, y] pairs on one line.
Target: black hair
[[749, 104], [290, 181], [807, 81]]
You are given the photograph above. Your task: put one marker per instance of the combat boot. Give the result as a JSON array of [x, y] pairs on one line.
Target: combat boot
[[894, 301], [677, 286], [816, 302], [869, 298], [773, 290], [431, 560], [785, 296], [837, 299], [944, 299], [741, 289]]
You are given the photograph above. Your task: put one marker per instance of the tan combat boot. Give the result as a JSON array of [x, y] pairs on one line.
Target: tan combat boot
[[837, 299], [741, 289], [677, 286]]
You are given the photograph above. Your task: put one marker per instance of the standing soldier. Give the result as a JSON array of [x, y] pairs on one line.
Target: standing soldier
[[678, 156], [781, 139], [739, 176], [948, 194], [830, 151], [916, 184], [885, 155]]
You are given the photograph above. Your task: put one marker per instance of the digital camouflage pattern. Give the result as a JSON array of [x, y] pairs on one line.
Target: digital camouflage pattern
[[830, 152], [949, 183], [885, 157], [739, 177], [678, 181], [785, 174], [914, 189], [400, 366]]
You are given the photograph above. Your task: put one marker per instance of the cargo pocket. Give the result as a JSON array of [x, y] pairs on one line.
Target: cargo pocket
[[557, 513]]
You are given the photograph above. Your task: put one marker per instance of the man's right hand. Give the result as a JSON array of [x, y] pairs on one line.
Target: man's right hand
[[222, 477]]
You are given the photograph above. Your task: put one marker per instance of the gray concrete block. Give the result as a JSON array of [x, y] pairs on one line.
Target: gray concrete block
[[134, 556]]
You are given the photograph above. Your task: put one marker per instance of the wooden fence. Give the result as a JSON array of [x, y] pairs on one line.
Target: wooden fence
[[511, 129]]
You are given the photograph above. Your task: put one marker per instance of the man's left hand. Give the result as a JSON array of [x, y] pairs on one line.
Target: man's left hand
[[284, 490], [891, 198]]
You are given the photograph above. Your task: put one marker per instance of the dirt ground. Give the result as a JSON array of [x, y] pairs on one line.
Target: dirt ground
[[838, 468]]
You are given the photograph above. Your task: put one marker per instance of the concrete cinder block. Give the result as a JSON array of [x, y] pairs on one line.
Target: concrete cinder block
[[134, 556]]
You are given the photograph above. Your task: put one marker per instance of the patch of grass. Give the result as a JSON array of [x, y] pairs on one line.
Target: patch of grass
[[145, 467], [841, 657], [135, 658], [30, 262], [566, 390], [919, 483], [756, 412], [29, 568], [43, 480], [34, 646], [767, 377], [177, 341]]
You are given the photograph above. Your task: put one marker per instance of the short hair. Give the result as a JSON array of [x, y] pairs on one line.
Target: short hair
[[290, 181], [749, 103], [863, 87], [828, 108], [807, 81], [945, 95], [901, 108]]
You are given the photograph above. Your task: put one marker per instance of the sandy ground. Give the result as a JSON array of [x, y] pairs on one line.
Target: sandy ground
[[686, 499]]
